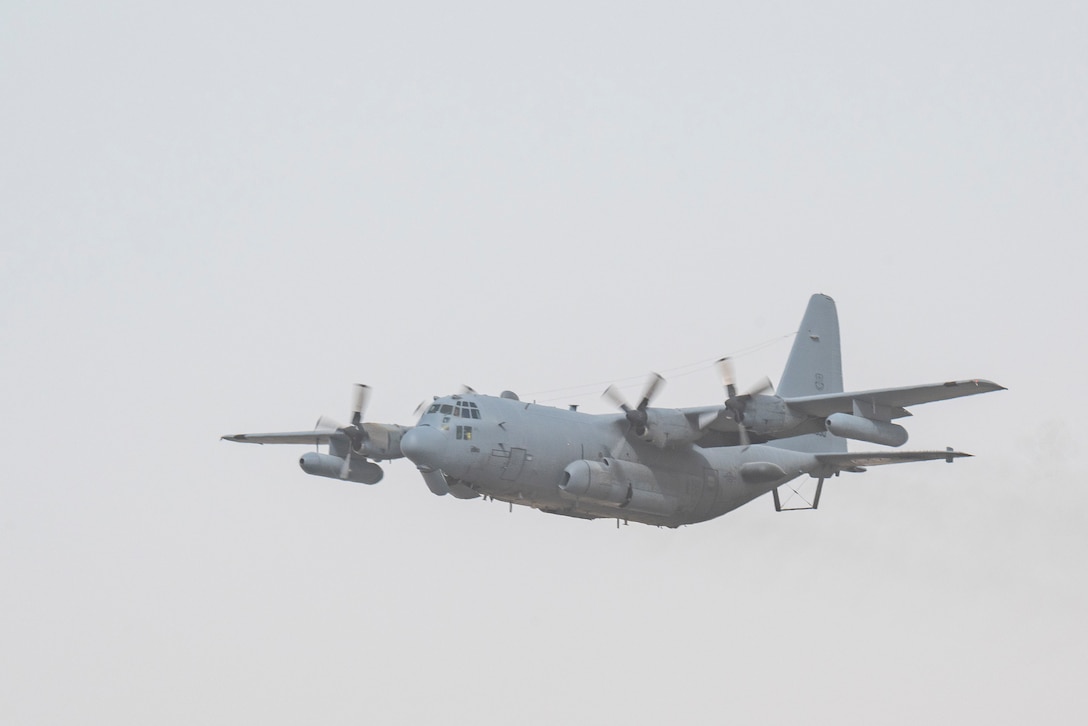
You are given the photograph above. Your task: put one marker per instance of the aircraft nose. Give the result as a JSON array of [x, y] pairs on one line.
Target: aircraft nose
[[424, 446]]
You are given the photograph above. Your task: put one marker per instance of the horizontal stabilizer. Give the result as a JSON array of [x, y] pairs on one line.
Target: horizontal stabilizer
[[320, 436], [894, 398], [858, 461]]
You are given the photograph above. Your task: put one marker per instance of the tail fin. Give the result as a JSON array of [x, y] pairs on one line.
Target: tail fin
[[815, 362], [814, 367]]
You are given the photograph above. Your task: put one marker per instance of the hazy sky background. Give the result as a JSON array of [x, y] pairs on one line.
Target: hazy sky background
[[218, 216]]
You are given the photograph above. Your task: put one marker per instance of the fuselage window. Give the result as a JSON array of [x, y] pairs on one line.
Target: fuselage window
[[464, 433]]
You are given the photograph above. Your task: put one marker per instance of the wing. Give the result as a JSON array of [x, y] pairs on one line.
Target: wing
[[857, 462], [896, 399], [320, 436]]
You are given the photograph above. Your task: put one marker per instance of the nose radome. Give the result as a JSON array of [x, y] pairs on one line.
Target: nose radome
[[424, 446]]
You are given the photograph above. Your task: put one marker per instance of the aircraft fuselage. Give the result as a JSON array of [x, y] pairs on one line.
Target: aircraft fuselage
[[568, 462]]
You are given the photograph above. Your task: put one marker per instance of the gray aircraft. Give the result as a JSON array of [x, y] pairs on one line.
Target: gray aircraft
[[660, 466]]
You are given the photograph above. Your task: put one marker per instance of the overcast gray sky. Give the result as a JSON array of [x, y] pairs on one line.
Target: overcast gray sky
[[218, 216]]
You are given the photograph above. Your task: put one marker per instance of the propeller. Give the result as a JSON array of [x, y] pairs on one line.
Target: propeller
[[637, 415], [354, 432], [735, 404]]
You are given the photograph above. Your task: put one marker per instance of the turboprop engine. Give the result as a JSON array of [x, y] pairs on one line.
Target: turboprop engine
[[849, 426], [380, 441], [616, 484], [662, 427], [351, 446]]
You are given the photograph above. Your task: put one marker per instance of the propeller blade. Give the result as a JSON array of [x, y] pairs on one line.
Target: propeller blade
[[705, 419], [653, 386], [361, 399], [325, 424], [744, 440], [465, 388], [760, 387], [728, 375], [613, 394], [346, 468]]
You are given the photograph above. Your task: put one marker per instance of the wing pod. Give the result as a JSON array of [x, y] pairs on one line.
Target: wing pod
[[333, 467], [849, 426]]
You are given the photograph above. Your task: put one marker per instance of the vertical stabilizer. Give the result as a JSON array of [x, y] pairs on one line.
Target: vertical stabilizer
[[815, 362], [814, 367]]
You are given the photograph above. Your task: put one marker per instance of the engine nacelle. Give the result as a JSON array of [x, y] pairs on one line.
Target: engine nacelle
[[382, 441], [770, 416], [669, 427], [622, 485], [849, 426], [362, 471]]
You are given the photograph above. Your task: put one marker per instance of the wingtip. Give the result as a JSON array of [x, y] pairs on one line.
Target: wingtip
[[951, 455], [237, 438]]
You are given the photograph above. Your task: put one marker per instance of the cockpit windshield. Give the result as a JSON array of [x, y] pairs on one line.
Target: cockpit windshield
[[462, 409]]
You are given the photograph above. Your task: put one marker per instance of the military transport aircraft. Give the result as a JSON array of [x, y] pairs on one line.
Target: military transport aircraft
[[660, 466]]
